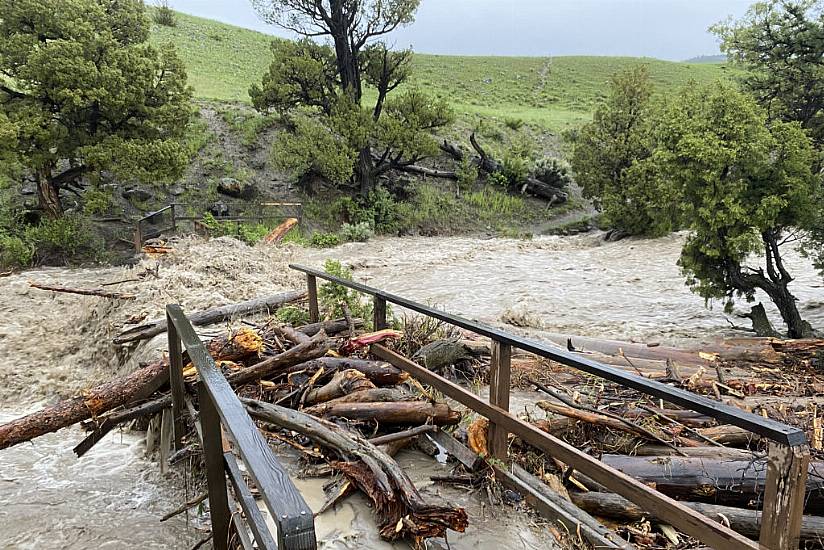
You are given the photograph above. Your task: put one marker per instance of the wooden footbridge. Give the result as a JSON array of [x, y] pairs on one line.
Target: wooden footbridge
[[294, 521]]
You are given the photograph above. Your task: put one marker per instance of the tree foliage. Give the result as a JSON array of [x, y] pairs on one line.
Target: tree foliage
[[329, 79], [606, 153], [744, 188], [780, 43], [82, 92]]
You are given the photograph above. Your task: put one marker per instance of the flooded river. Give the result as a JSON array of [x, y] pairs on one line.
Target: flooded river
[[114, 497]]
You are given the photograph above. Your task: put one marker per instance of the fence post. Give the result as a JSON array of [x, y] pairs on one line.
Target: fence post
[[176, 382], [138, 238], [215, 472], [379, 315], [499, 376], [312, 287], [784, 496], [174, 217]]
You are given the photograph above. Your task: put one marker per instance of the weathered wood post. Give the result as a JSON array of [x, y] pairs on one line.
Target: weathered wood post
[[784, 496], [176, 382], [215, 472], [312, 288], [174, 217], [499, 376], [138, 238], [379, 315]]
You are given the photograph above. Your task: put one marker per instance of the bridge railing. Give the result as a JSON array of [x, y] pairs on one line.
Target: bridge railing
[[788, 458], [223, 424]]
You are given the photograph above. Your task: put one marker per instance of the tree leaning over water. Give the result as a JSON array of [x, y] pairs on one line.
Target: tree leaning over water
[[81, 92], [343, 141], [745, 191]]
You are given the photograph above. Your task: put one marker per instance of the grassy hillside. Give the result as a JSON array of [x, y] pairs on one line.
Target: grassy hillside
[[224, 60]]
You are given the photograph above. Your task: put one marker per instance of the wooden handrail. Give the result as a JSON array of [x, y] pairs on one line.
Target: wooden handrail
[[220, 409]]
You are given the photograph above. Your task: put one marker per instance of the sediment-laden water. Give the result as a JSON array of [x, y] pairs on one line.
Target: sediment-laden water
[[114, 497]]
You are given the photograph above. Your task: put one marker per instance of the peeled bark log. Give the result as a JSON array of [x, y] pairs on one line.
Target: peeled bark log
[[402, 511], [277, 234], [405, 412], [746, 522], [342, 383], [720, 481], [374, 395], [91, 403], [237, 346], [477, 436], [211, 316]]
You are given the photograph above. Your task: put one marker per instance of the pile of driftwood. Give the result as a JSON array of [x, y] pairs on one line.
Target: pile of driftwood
[[718, 470], [311, 387]]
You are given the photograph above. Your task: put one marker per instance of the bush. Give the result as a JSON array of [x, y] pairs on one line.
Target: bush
[[553, 171], [97, 201], [360, 232], [63, 239], [467, 174], [332, 295], [164, 14], [498, 178], [15, 252], [378, 209], [514, 124], [515, 168], [324, 240], [292, 315]]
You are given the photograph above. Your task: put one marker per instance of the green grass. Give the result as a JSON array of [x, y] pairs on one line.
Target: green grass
[[555, 93]]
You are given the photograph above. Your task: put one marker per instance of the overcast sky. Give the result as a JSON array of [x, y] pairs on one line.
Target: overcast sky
[[667, 29]]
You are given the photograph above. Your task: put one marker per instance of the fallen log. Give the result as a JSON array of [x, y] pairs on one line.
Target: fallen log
[[277, 234], [89, 404], [342, 383], [443, 353], [315, 347], [404, 412], [718, 481], [746, 522], [373, 395], [211, 316], [402, 511], [380, 373], [85, 291], [329, 327]]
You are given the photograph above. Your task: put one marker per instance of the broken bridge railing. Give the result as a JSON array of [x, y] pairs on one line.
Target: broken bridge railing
[[788, 457], [222, 423]]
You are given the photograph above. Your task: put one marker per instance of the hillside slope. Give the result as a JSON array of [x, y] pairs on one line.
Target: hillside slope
[[224, 60]]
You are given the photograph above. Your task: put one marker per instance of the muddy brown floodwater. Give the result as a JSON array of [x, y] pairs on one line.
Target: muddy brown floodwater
[[55, 345]]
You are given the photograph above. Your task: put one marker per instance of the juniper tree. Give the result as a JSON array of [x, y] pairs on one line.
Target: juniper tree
[[85, 93], [330, 78]]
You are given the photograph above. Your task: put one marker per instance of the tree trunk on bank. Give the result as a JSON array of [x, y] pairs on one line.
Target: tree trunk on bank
[[365, 172], [788, 307], [48, 196]]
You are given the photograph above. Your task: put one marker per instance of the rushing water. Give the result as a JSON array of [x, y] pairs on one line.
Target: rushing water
[[627, 290], [114, 497]]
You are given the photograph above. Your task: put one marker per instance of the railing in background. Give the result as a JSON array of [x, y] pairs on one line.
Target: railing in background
[[222, 414], [788, 458], [154, 224]]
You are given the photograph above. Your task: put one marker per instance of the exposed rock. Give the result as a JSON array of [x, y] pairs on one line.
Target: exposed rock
[[236, 189], [136, 194], [219, 210]]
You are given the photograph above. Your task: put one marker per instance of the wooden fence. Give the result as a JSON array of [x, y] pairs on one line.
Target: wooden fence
[[788, 458], [223, 423]]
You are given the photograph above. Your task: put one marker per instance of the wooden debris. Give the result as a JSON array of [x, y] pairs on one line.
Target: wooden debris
[[278, 233], [85, 291]]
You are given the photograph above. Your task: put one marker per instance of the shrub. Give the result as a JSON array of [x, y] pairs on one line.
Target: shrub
[[467, 174], [164, 14], [514, 124], [292, 315], [553, 171], [332, 295], [498, 178], [324, 240], [515, 167], [60, 240], [15, 252], [378, 209], [360, 232], [97, 200]]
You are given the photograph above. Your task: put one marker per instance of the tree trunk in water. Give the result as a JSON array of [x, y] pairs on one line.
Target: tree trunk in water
[[48, 196], [786, 303]]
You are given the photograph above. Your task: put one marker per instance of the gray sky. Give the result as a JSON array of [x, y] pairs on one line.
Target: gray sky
[[667, 29]]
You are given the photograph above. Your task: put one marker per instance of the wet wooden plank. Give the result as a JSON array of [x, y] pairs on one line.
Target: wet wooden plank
[[784, 496], [312, 288], [247, 502], [500, 367]]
